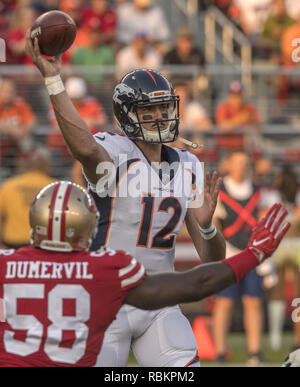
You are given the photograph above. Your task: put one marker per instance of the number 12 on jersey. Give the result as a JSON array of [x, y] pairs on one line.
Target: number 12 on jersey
[[162, 239]]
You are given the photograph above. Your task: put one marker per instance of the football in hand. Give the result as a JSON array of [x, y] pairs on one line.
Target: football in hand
[[55, 30]]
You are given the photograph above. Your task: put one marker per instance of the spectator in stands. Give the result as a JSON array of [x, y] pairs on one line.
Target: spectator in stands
[[141, 16], [4, 24], [185, 52], [88, 107], [94, 54], [234, 115], [7, 6], [223, 5], [287, 46], [22, 20], [17, 122], [137, 55], [229, 9], [293, 8], [236, 214], [45, 5], [286, 258], [73, 8], [223, 164], [16, 195], [193, 117], [273, 29], [253, 14], [100, 11], [288, 85], [262, 174]]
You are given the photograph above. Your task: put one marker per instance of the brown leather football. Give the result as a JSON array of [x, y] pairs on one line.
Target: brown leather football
[[55, 30]]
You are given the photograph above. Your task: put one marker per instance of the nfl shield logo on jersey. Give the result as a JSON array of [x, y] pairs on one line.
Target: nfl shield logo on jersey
[[165, 178]]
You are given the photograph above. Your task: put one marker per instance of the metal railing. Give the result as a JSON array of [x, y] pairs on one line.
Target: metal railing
[[203, 80], [188, 7], [225, 42]]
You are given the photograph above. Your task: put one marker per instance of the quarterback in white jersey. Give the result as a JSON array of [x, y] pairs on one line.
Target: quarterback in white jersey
[[146, 219]]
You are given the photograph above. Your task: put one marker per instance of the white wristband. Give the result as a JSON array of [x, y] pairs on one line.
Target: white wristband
[[208, 233], [54, 85]]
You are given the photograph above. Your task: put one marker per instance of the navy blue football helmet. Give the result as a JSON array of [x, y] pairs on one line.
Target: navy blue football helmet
[[142, 88]]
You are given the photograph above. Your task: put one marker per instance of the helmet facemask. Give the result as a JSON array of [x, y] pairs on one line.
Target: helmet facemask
[[148, 129]]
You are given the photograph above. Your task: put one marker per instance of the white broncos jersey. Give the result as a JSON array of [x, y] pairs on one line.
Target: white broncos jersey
[[144, 208]]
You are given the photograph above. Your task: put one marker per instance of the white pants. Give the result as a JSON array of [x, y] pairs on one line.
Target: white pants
[[160, 338]]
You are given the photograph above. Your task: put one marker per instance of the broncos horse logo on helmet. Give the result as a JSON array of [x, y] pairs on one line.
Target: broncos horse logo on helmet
[[142, 88]]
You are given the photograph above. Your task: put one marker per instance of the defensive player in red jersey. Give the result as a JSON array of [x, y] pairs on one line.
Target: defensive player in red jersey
[[59, 298]]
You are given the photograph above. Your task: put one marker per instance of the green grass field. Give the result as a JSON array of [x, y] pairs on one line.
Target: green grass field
[[237, 344]]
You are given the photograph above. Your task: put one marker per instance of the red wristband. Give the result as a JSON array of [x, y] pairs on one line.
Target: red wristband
[[242, 263]]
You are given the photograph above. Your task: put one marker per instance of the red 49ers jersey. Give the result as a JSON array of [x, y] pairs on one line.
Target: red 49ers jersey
[[58, 305]]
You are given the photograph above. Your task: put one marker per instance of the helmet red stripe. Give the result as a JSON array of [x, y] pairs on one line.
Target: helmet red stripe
[[51, 211], [63, 215], [148, 72]]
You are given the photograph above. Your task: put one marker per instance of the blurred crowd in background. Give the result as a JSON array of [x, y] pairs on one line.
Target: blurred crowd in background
[[255, 111], [114, 37]]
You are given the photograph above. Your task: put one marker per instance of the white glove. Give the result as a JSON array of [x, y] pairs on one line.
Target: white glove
[[293, 359]]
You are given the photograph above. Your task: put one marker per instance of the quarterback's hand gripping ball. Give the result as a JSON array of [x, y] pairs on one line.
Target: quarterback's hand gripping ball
[[55, 30]]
